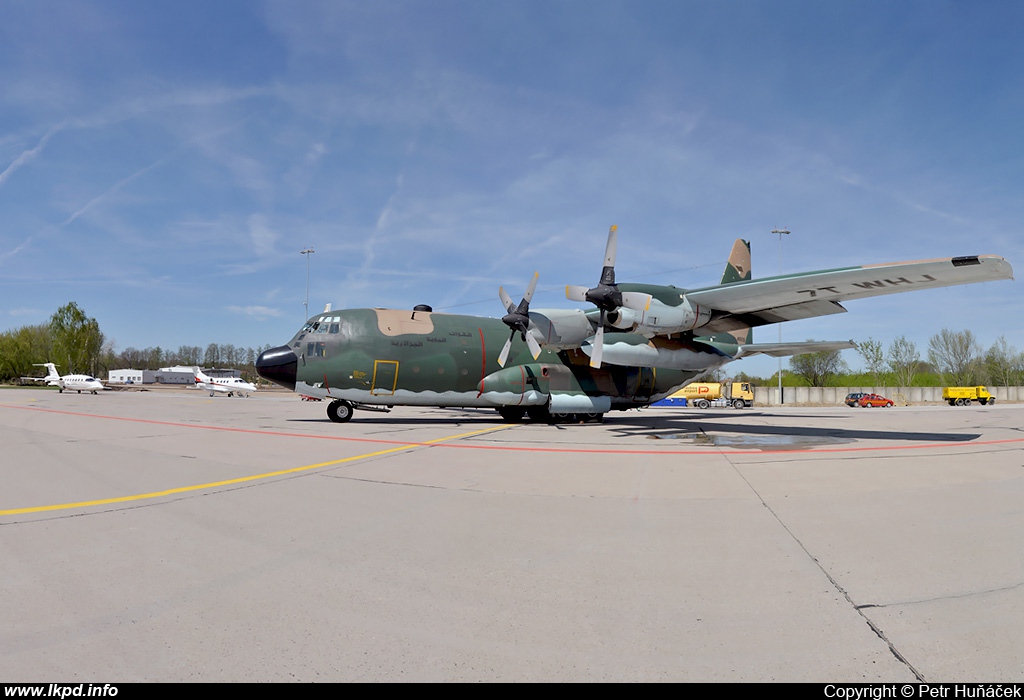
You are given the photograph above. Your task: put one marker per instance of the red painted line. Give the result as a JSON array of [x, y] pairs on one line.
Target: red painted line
[[510, 448], [483, 355]]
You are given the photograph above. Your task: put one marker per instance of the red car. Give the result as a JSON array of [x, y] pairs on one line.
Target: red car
[[874, 401]]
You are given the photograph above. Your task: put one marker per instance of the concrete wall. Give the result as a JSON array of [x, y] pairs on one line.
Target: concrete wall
[[834, 395]]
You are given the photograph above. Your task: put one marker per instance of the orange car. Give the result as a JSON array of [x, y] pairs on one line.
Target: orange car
[[874, 401]]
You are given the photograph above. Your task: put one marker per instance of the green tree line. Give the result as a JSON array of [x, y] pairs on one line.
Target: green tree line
[[73, 341], [952, 358]]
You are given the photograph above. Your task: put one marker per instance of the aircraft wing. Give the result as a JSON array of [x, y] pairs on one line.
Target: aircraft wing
[[790, 297], [787, 349]]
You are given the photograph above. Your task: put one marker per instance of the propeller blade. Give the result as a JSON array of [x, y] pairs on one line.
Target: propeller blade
[[597, 347], [576, 292], [518, 319], [532, 344], [609, 248], [638, 301], [606, 294], [506, 300], [504, 351], [528, 297]]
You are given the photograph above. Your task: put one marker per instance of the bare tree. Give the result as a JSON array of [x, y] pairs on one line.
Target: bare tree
[[874, 359], [903, 359], [212, 356], [817, 368], [1004, 363], [957, 355]]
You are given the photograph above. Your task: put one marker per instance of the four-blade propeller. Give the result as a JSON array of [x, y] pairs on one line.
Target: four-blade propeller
[[518, 319], [606, 296]]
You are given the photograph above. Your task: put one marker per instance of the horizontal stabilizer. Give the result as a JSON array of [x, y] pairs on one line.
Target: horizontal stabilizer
[[787, 349]]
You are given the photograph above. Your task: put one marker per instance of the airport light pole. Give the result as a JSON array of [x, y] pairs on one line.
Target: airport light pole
[[780, 232], [305, 305]]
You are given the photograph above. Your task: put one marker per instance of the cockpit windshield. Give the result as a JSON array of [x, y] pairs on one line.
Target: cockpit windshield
[[327, 323]]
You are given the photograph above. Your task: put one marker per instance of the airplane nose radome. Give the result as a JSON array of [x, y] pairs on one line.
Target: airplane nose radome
[[278, 365]]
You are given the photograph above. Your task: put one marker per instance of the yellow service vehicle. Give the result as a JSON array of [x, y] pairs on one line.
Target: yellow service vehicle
[[964, 395], [708, 394]]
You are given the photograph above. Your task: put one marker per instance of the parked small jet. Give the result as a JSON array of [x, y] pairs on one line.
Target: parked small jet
[[77, 382], [641, 343], [222, 385]]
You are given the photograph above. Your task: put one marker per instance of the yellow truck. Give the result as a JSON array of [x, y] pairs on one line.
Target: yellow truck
[[708, 394], [964, 395]]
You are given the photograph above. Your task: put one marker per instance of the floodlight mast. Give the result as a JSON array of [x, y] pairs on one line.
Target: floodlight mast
[[305, 305], [780, 232]]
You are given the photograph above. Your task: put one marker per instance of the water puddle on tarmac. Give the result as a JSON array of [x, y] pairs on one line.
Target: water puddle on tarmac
[[753, 442]]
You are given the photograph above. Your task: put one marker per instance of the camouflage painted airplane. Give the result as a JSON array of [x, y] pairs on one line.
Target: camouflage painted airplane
[[641, 343]]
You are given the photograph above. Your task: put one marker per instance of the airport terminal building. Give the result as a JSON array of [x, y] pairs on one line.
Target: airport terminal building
[[164, 375]]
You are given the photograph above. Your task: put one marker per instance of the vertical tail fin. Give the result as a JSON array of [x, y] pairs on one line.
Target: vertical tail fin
[[51, 370], [737, 269]]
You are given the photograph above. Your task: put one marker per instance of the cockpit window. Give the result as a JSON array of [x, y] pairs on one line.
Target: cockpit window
[[320, 324]]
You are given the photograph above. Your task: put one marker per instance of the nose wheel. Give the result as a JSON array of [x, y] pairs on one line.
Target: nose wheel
[[339, 411]]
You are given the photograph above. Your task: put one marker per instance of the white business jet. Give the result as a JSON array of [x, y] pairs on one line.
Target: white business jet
[[222, 385], [78, 382]]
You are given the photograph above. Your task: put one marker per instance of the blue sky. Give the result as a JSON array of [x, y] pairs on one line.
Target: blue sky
[[163, 164]]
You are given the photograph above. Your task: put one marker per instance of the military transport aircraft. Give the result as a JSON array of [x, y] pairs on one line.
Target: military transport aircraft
[[641, 343], [78, 382]]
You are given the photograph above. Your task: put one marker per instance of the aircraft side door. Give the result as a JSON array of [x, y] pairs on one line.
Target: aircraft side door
[[385, 377], [644, 384]]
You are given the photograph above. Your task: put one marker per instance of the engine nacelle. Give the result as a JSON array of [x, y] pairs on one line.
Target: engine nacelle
[[662, 319], [521, 385], [560, 329], [635, 350]]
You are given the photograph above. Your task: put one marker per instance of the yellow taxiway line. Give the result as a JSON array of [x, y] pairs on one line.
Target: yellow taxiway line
[[244, 479]]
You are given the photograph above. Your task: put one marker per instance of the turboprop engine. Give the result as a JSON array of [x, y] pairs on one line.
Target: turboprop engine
[[560, 329], [661, 318], [556, 329]]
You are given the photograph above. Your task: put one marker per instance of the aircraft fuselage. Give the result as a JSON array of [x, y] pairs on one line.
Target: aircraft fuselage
[[388, 357], [77, 382]]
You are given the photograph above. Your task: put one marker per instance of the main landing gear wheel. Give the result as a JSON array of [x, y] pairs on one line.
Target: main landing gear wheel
[[539, 414], [511, 414], [339, 411]]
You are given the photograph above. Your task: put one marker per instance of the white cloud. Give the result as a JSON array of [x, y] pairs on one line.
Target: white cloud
[[28, 155], [259, 313]]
